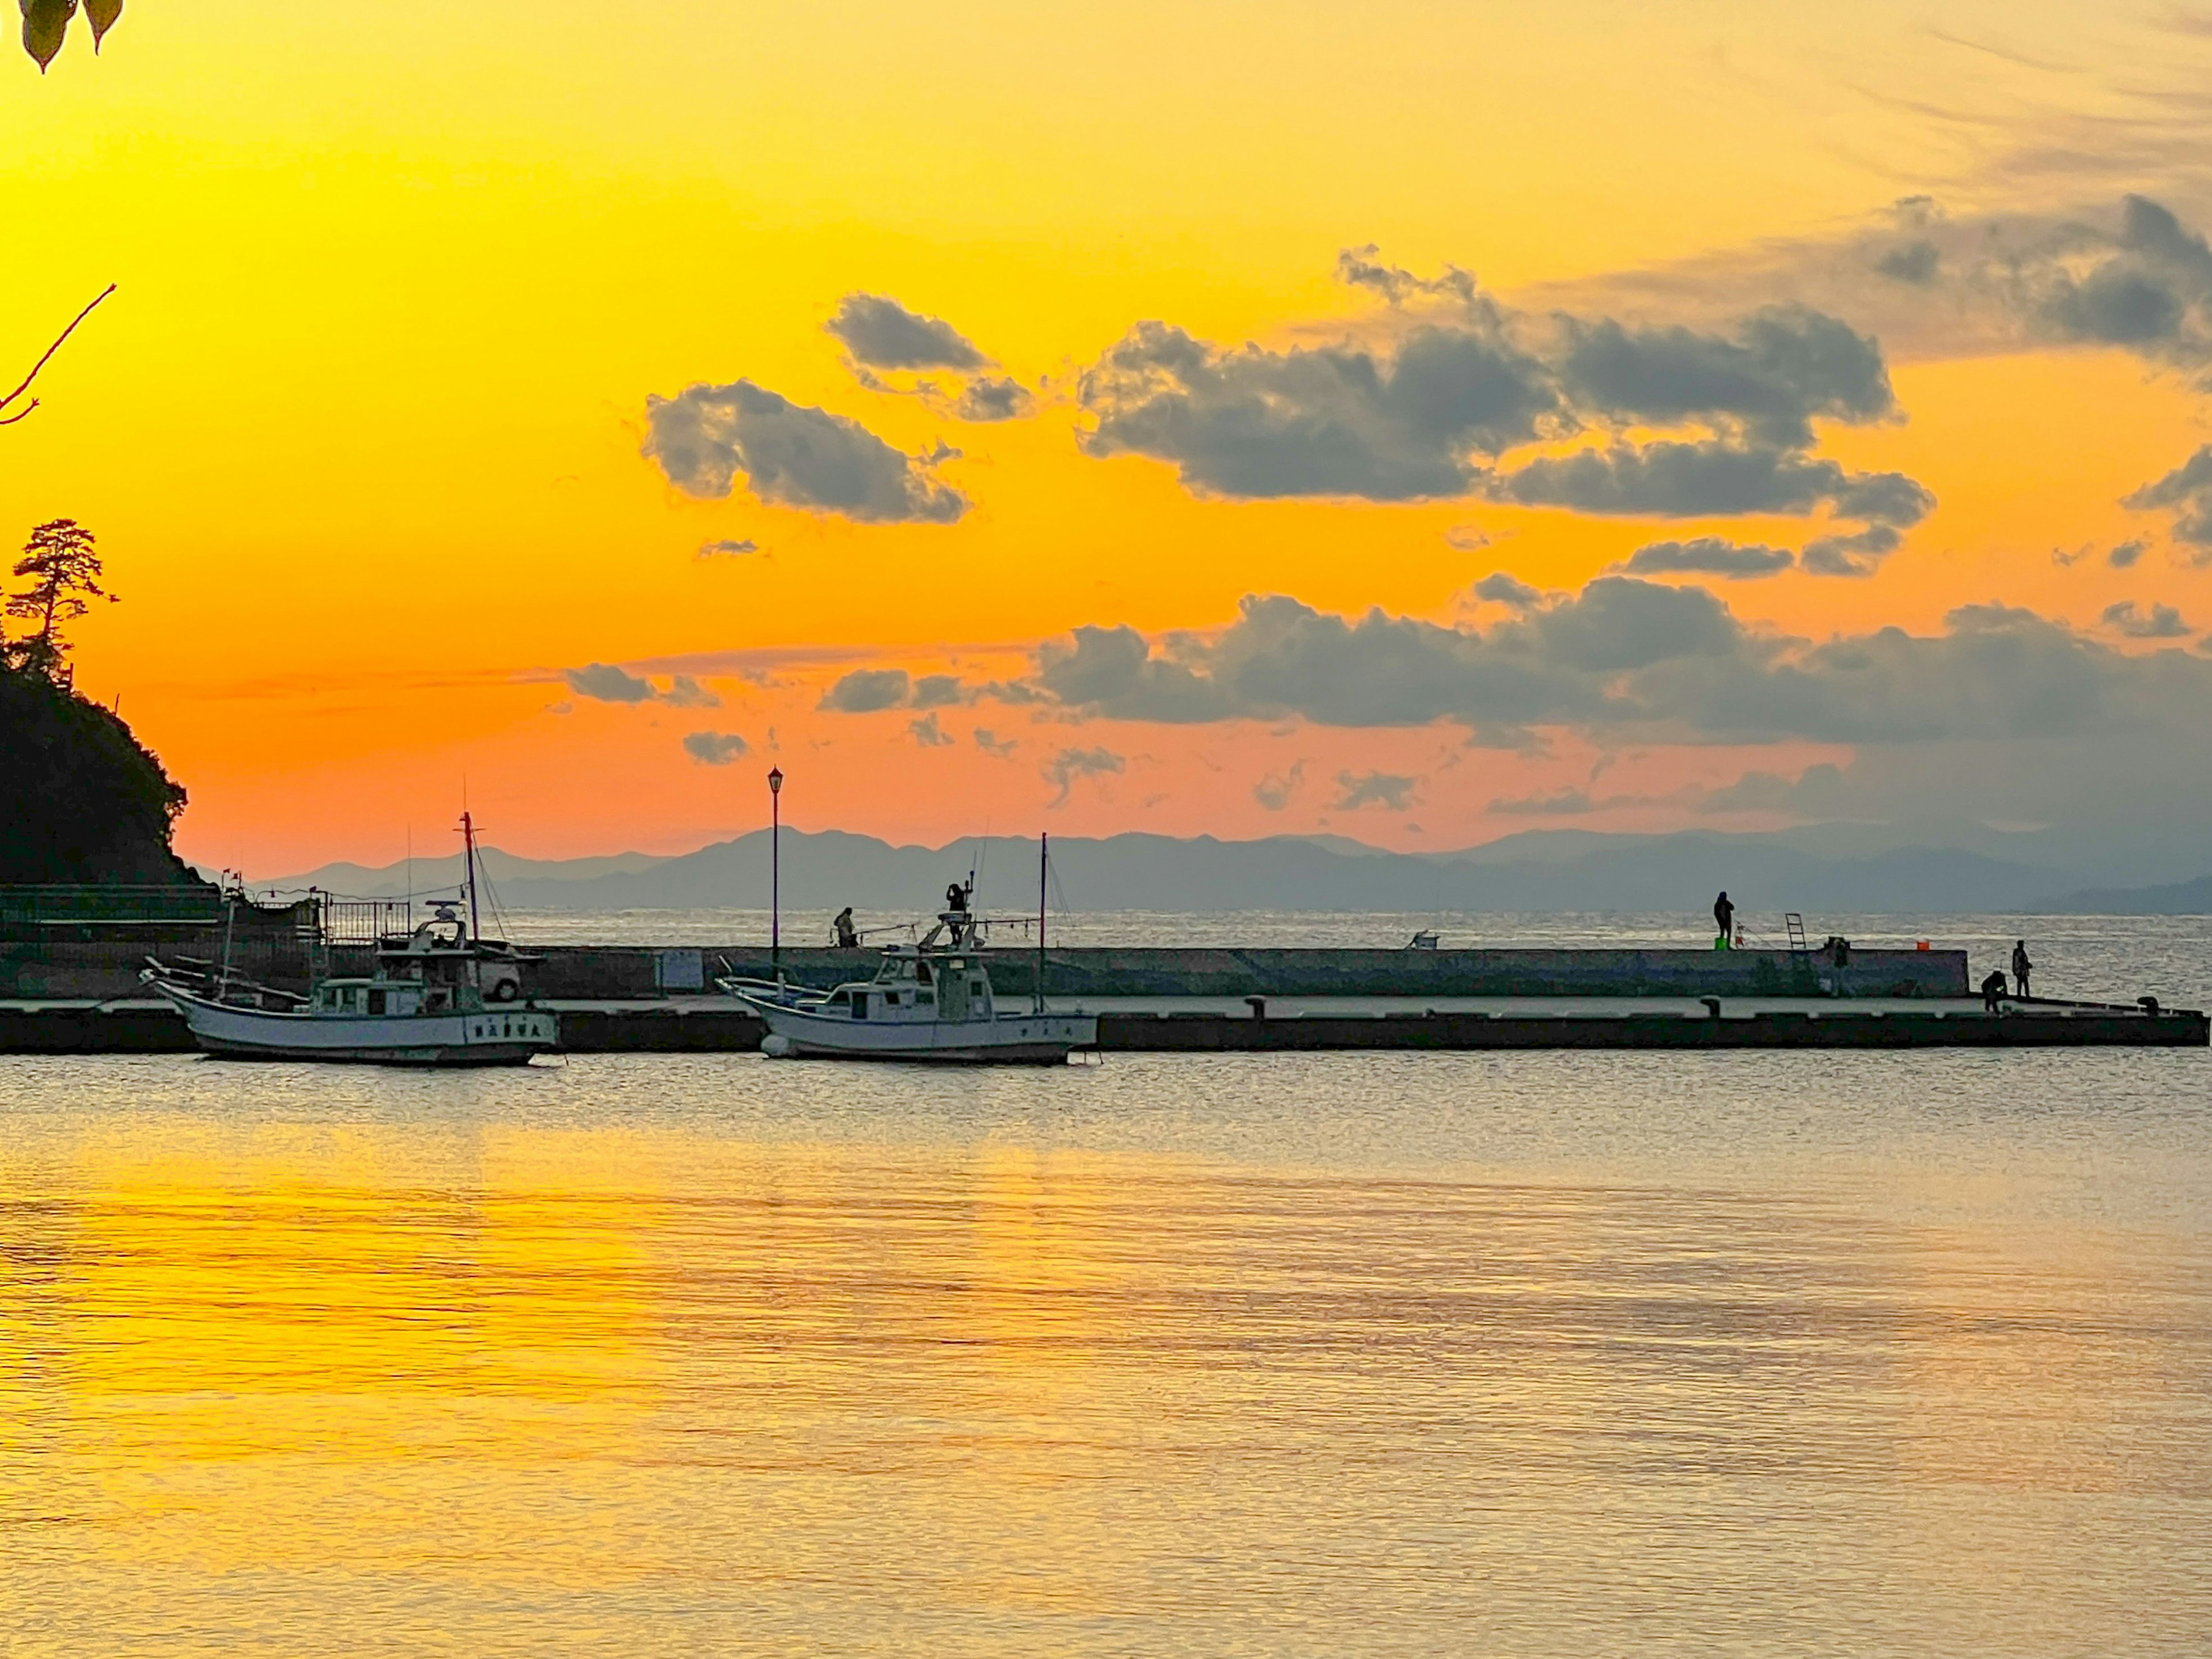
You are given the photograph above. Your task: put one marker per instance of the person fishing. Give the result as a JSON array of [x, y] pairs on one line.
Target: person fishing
[[1724, 919], [1993, 989], [956, 898], [847, 937], [2021, 967]]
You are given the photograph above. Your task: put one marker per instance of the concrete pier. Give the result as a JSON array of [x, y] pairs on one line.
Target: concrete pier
[[694, 1025]]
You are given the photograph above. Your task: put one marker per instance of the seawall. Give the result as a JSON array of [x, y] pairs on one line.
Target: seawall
[[1173, 971]]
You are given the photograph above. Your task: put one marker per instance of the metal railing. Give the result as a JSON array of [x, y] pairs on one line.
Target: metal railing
[[70, 904]]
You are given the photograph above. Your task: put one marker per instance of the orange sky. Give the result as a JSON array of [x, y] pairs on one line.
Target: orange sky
[[360, 430]]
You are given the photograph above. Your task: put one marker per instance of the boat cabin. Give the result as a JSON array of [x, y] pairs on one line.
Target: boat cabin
[[911, 985], [451, 970]]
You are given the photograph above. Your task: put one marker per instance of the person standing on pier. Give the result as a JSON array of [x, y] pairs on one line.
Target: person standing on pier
[[847, 938], [1724, 919], [2021, 967]]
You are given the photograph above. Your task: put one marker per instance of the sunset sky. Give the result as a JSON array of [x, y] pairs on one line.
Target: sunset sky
[[1419, 423]]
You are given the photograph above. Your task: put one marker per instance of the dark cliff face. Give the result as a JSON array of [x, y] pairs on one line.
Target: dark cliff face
[[80, 799]]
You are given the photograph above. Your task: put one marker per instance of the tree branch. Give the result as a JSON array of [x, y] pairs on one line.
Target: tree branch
[[42, 361]]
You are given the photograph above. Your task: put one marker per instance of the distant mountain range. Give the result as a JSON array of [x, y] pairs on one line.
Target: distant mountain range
[[1542, 871]]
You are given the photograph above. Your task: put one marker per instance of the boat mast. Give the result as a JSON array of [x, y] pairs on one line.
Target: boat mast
[[469, 843], [1044, 872]]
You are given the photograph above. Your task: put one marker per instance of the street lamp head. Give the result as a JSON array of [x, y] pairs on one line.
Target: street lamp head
[[776, 779]]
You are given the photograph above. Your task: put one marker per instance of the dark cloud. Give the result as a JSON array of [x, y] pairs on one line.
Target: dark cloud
[[928, 733], [2160, 622], [936, 692], [1069, 764], [991, 744], [868, 691], [2186, 492], [1711, 556], [993, 397], [1783, 366], [2124, 556], [2149, 289], [882, 333], [1502, 588], [1112, 671], [731, 548], [716, 748], [1330, 421], [1275, 791], [1917, 263], [1858, 553], [1383, 789], [605, 683], [800, 456], [1709, 479], [1357, 267], [1636, 657]]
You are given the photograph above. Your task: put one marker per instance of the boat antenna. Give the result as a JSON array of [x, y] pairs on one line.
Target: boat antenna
[[468, 846]]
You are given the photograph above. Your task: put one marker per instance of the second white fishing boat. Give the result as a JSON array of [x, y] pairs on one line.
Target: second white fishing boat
[[928, 1000]]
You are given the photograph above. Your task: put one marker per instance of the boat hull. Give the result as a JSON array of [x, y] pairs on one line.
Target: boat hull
[[1007, 1040], [472, 1037]]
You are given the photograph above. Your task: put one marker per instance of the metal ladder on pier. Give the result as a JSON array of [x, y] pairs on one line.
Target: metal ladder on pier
[[1800, 956]]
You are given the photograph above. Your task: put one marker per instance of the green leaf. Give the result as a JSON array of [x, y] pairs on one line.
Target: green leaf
[[45, 23], [101, 15]]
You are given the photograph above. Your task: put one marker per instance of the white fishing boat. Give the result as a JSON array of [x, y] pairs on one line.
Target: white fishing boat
[[440, 995], [932, 999]]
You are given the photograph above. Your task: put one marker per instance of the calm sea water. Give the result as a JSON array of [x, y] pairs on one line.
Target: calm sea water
[[1558, 1354]]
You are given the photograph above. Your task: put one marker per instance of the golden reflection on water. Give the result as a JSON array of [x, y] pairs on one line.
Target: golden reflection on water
[[515, 1387]]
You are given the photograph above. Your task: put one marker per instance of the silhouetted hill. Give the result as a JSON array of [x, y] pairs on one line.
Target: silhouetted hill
[[81, 800], [1678, 872]]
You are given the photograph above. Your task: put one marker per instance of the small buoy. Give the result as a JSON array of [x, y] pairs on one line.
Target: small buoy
[[776, 1048]]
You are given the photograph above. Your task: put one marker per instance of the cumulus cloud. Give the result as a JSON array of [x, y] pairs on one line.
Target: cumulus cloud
[[991, 744], [1500, 588], [1711, 556], [1275, 791], [605, 683], [714, 748], [1712, 478], [882, 333], [1383, 789], [794, 454], [1626, 656], [1069, 764], [736, 547], [1462, 381], [928, 733], [868, 691], [685, 692], [1340, 420], [1778, 369], [993, 397], [2186, 492], [2124, 556], [2160, 622]]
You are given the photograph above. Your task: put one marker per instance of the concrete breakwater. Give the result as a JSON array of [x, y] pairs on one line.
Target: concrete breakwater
[[694, 1025]]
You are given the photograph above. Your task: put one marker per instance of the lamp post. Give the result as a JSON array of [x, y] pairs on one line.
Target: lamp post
[[775, 871]]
